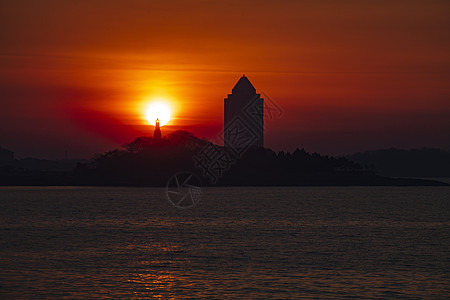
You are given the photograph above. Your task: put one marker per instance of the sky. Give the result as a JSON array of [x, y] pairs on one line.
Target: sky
[[347, 76]]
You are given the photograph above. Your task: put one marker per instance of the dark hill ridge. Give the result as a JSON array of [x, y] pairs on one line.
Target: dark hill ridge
[[425, 162], [148, 162]]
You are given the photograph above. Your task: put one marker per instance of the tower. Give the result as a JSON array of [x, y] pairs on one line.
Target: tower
[[157, 132], [243, 117]]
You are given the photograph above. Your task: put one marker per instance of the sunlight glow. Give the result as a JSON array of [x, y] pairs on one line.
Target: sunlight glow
[[158, 110]]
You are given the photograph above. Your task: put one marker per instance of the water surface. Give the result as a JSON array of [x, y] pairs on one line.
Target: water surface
[[277, 242]]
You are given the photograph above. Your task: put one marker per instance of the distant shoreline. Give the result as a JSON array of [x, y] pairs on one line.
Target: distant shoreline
[[145, 162], [381, 181]]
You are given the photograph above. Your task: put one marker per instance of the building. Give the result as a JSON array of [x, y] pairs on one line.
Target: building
[[243, 117]]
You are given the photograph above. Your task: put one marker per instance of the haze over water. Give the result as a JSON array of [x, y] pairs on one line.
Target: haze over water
[[277, 242]]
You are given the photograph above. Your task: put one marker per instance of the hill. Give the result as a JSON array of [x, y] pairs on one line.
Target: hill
[[425, 162], [149, 162]]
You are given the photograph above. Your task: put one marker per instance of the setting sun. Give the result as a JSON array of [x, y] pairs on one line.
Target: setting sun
[[158, 110]]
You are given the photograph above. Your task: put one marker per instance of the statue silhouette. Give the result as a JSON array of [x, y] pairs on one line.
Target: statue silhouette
[[157, 132]]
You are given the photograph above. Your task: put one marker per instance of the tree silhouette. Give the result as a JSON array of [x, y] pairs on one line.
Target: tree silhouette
[[145, 161]]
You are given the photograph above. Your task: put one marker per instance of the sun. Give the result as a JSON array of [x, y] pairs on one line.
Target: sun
[[158, 110]]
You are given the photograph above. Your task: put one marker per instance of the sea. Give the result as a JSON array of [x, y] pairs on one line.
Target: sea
[[236, 243]]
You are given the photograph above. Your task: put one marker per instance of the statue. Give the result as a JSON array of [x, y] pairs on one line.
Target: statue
[[157, 132]]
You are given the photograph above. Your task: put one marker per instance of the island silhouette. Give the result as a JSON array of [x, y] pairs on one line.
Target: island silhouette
[[146, 161], [241, 161]]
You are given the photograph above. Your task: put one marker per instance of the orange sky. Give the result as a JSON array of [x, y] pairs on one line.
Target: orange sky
[[349, 75]]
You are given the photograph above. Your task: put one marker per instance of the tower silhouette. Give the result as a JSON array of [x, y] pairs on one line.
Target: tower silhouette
[[157, 132], [243, 117]]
